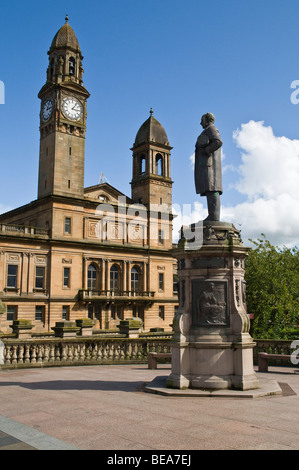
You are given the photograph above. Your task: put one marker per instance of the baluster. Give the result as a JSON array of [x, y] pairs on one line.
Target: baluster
[[27, 354], [94, 352], [46, 353], [33, 354], [57, 352], [104, 351], [122, 346], [20, 354], [51, 352], [69, 352], [138, 352], [117, 351], [129, 350], [40, 353], [14, 355], [75, 352], [82, 352], [100, 352], [7, 354], [63, 352], [87, 352]]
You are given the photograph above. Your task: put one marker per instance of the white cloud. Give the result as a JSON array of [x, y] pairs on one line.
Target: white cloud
[[269, 177]]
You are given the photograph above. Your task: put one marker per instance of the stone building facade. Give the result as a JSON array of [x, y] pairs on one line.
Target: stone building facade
[[94, 252]]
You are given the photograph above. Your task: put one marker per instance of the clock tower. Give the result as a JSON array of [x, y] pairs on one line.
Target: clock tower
[[63, 119]]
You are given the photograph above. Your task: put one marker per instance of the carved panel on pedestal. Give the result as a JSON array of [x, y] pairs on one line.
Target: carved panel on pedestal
[[210, 302]]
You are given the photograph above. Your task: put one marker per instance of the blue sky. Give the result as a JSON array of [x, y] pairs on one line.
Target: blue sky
[[236, 59]]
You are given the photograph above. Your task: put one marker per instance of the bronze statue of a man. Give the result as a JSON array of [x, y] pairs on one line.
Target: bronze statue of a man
[[208, 178]]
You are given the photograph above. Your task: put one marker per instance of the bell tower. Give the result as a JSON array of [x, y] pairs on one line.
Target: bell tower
[[151, 182], [63, 119]]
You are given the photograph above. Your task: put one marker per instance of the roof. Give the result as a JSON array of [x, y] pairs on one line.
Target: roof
[[151, 131], [65, 38]]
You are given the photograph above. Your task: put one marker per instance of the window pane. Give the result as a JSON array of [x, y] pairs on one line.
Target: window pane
[[39, 313], [134, 279], [65, 312], [114, 278], [92, 277], [67, 225], [12, 271], [11, 313], [160, 236], [66, 277], [161, 281], [39, 277], [161, 311]]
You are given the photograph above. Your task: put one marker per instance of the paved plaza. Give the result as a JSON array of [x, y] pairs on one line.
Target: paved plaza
[[107, 408]]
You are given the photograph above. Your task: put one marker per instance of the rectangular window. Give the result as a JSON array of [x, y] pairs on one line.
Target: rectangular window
[[39, 277], [66, 277], [67, 225], [11, 313], [12, 272], [160, 237], [175, 283], [161, 281], [65, 312], [39, 313], [161, 312]]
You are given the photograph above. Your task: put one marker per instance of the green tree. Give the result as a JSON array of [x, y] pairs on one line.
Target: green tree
[[272, 276]]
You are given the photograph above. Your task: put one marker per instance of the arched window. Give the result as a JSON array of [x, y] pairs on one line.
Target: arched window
[[135, 279], [92, 277], [142, 165], [72, 66], [114, 278], [159, 164]]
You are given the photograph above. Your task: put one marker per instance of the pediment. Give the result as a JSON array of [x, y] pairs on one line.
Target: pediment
[[104, 193]]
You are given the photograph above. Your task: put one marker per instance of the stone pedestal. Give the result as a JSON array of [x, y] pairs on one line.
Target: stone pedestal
[[131, 327], [22, 328], [66, 329], [86, 325], [212, 347]]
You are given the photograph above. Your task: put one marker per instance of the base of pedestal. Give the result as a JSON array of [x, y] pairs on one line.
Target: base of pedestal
[[267, 387], [213, 366]]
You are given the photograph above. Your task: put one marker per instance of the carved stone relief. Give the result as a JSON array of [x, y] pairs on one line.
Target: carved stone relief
[[209, 302]]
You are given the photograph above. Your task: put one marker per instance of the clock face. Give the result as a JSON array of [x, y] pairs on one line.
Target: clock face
[[72, 108], [47, 110]]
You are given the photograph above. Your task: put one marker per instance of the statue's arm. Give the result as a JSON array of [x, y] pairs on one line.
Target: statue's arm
[[213, 146]]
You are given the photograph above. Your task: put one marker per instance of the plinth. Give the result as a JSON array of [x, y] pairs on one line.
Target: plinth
[[212, 348]]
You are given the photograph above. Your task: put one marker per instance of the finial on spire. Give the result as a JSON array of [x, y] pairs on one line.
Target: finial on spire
[[151, 111], [67, 18]]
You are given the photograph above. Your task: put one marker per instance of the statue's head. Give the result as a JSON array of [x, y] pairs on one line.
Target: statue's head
[[207, 119]]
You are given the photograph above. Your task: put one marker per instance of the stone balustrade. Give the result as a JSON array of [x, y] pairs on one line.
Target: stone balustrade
[[272, 346], [22, 230], [79, 351], [117, 349]]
